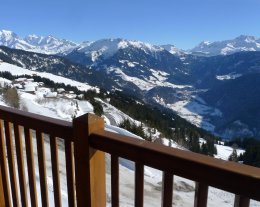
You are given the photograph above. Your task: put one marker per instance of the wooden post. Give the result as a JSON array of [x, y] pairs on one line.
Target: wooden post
[[167, 189], [2, 198], [201, 195], [241, 201], [89, 163]]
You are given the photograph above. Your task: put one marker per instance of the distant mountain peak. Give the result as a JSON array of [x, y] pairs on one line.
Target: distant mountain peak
[[173, 49], [246, 38], [35, 43], [226, 47], [7, 35], [104, 48]]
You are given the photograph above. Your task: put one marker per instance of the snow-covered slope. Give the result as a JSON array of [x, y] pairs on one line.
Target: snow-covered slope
[[15, 70], [34, 43], [156, 79], [239, 44]]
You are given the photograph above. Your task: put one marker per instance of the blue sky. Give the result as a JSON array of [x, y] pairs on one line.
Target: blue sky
[[184, 23]]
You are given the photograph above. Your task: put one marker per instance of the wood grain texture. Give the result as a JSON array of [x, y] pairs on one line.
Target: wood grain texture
[[42, 168], [31, 166], [70, 173], [186, 164], [11, 163], [51, 126], [55, 171], [5, 199], [89, 163], [20, 164]]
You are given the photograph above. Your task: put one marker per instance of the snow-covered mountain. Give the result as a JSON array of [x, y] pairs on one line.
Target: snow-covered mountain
[[105, 48], [239, 44], [97, 51], [34, 43], [173, 49], [109, 46]]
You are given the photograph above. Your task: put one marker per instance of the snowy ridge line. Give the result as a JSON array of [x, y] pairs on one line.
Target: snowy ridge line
[[226, 47], [34, 43], [109, 46]]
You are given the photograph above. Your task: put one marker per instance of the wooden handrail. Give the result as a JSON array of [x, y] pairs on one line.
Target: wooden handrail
[[86, 141], [12, 121], [51, 126], [230, 176]]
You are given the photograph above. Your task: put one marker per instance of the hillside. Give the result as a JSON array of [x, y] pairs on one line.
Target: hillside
[[65, 109], [156, 123]]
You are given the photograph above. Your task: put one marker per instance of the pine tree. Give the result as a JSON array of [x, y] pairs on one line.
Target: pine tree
[[233, 157], [204, 149]]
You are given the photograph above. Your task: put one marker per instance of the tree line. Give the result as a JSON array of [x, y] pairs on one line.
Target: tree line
[[251, 156]]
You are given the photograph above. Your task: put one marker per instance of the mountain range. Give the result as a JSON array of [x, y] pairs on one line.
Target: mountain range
[[239, 44], [212, 89], [54, 45], [34, 43]]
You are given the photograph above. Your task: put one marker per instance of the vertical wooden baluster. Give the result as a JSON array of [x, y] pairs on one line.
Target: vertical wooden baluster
[[167, 189], [201, 195], [42, 168], [10, 156], [31, 167], [241, 201], [3, 168], [139, 184], [20, 164], [2, 196], [114, 181], [55, 171], [70, 172]]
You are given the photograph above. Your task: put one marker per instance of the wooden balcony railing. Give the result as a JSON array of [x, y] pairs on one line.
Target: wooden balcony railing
[[86, 143]]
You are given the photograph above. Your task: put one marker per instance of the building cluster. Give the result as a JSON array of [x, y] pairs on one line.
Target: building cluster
[[28, 85]]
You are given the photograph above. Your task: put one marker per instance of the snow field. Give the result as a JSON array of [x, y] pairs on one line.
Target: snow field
[[15, 70]]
